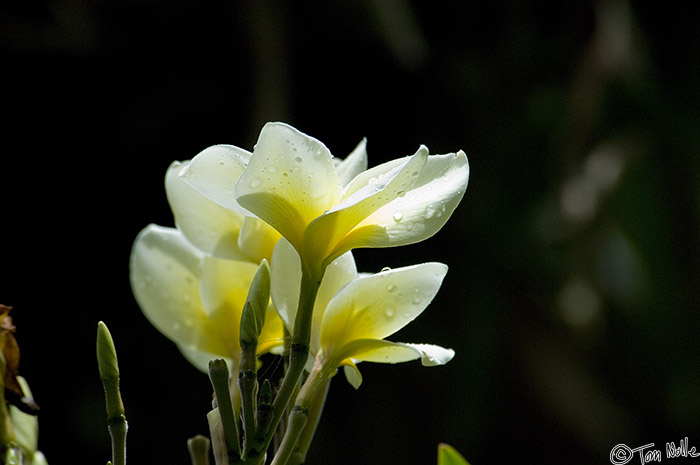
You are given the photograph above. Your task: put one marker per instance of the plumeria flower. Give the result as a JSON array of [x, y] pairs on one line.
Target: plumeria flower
[[354, 313], [194, 299], [325, 209]]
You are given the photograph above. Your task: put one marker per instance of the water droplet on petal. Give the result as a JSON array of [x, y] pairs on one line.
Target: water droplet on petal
[[255, 182], [298, 159], [389, 312], [398, 216], [392, 288], [385, 269]]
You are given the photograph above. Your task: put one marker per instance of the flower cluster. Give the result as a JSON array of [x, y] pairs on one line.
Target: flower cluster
[[291, 204]]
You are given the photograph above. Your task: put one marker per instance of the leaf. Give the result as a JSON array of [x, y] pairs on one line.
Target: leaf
[[447, 455]]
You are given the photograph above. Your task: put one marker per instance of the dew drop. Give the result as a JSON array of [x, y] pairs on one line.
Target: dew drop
[[385, 269], [298, 159], [389, 312], [255, 182], [392, 288], [398, 216]]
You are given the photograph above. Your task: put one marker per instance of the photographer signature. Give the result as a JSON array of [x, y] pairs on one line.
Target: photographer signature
[[622, 454]]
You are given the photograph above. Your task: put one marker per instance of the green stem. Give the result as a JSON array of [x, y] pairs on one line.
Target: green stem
[[299, 352], [305, 409], [312, 421], [219, 375], [247, 382]]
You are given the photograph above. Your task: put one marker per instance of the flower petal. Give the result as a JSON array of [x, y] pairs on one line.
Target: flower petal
[[201, 359], [377, 306], [257, 239], [420, 213], [271, 339], [224, 286], [364, 196], [206, 224], [379, 351], [289, 181], [214, 172], [285, 280], [164, 272], [354, 164], [353, 375], [432, 355]]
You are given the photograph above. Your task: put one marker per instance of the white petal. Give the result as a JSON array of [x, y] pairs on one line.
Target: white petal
[[214, 172], [206, 224], [353, 375], [378, 306], [380, 351], [200, 359], [164, 272], [289, 181], [326, 236], [354, 164], [257, 239], [424, 209], [224, 286], [285, 280], [432, 355]]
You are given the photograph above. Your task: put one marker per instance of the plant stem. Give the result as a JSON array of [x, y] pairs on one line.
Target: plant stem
[[305, 408], [219, 375], [307, 435], [247, 382], [299, 352]]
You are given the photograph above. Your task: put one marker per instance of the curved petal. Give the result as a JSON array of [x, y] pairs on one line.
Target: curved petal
[[257, 239], [353, 165], [432, 355], [214, 172], [377, 306], [206, 224], [289, 181], [368, 194], [200, 359], [422, 211], [378, 351], [285, 280], [353, 375], [164, 272]]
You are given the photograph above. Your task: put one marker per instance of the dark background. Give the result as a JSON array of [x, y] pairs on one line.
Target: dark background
[[572, 296]]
